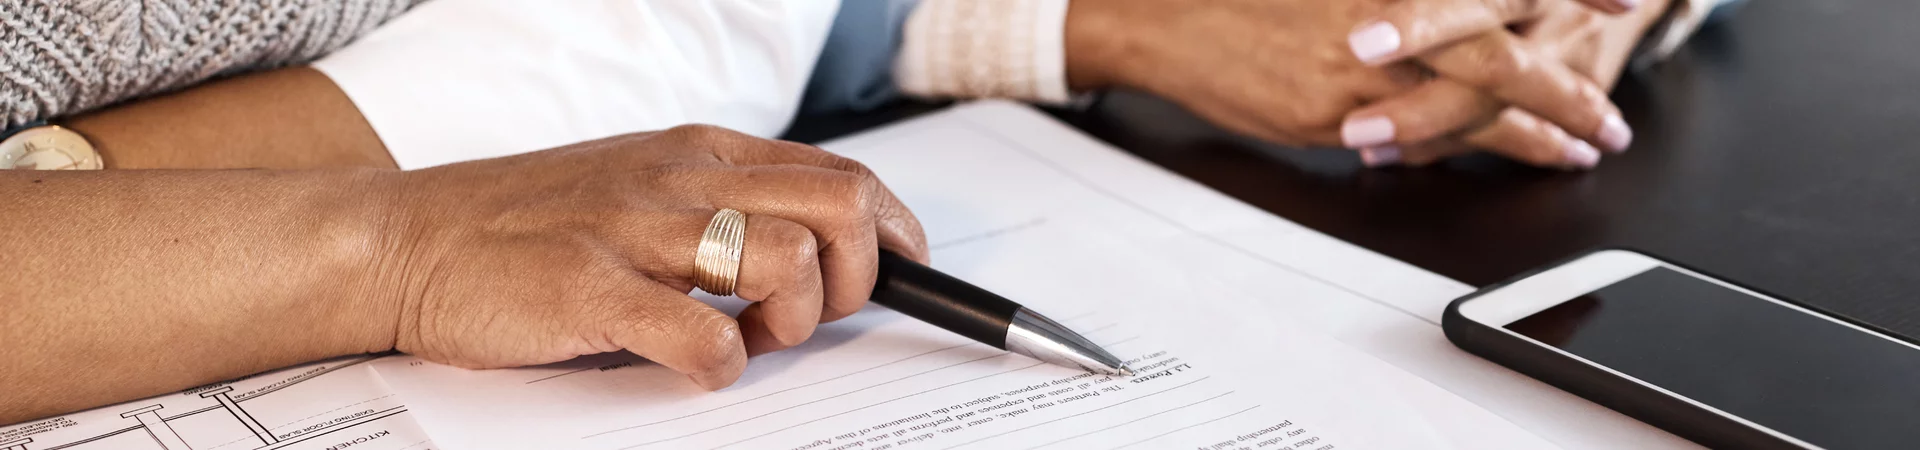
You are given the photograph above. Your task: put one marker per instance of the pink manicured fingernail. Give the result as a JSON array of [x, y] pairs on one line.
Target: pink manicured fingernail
[[1580, 154], [1628, 4], [1385, 155], [1615, 134], [1367, 132], [1374, 41]]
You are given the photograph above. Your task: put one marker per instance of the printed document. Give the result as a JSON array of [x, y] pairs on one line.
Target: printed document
[[1247, 332], [333, 404], [1206, 375]]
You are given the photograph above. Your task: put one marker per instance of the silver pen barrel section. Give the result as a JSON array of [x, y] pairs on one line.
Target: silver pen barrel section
[[1038, 337]]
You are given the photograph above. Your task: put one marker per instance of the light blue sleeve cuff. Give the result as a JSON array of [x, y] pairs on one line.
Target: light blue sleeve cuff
[[1723, 10], [1682, 20], [855, 70]]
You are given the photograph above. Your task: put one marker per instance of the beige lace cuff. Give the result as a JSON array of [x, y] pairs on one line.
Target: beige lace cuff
[[985, 48]]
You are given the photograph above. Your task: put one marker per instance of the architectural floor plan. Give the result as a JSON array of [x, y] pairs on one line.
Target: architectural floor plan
[[332, 404]]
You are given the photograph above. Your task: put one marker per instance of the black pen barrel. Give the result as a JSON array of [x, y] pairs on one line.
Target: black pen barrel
[[942, 300]]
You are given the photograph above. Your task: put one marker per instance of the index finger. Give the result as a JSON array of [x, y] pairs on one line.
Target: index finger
[[1412, 27]]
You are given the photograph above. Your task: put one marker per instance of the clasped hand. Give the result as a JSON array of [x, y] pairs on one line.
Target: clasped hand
[[1401, 81]]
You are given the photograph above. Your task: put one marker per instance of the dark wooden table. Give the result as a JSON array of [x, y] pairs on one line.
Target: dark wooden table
[[1781, 149]]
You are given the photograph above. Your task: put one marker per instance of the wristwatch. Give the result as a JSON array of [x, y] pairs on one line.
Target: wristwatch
[[47, 147]]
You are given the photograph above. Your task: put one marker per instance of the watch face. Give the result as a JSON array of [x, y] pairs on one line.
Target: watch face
[[48, 148]]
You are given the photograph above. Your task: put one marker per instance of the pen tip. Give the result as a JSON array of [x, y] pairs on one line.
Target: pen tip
[[1125, 371]]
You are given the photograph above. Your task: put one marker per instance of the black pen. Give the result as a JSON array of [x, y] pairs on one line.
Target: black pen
[[946, 302]]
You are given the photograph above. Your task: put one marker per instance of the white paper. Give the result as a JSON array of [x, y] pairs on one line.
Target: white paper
[[1381, 306], [882, 380], [1018, 204], [1284, 337], [328, 405]]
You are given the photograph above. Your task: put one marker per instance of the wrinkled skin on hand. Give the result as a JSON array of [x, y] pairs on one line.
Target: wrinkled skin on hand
[[589, 248]]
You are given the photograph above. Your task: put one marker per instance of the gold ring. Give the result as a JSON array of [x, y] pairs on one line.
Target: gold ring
[[716, 267]]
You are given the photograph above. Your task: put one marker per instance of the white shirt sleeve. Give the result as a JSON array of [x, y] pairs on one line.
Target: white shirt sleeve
[[459, 80]]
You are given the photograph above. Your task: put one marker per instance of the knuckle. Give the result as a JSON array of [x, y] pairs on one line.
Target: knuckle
[[1322, 117], [849, 165], [1537, 151], [702, 133], [717, 338], [631, 314], [622, 140], [1528, 7], [651, 324], [838, 182], [1512, 123], [1537, 141], [672, 184], [791, 254], [866, 189], [1590, 94], [1537, 127], [818, 157], [1587, 20], [798, 249], [1521, 125], [644, 323], [1581, 56], [1498, 62], [804, 251], [1414, 124], [1512, 8], [663, 177], [848, 195]]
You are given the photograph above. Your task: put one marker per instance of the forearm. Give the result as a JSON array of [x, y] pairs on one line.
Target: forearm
[[125, 284], [285, 119]]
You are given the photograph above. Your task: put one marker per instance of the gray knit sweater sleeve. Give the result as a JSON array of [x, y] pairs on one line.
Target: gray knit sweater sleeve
[[60, 57]]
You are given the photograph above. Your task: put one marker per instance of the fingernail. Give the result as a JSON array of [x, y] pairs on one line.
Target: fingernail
[[1375, 41], [1615, 134], [1580, 154], [1628, 4], [1385, 155], [1367, 132]]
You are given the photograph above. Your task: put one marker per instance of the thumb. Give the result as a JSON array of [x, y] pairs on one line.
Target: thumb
[[672, 329]]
